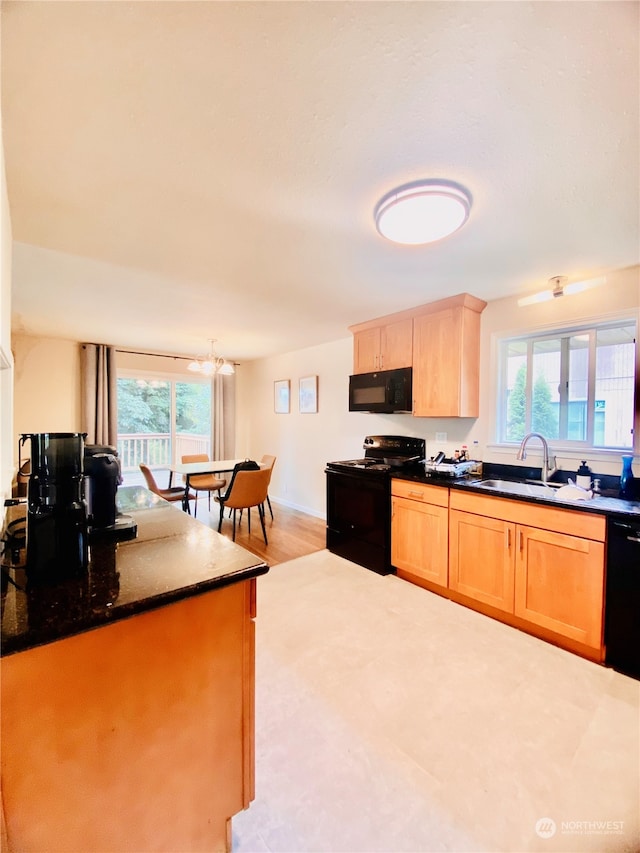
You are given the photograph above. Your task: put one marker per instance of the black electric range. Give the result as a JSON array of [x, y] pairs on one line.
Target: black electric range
[[359, 499]]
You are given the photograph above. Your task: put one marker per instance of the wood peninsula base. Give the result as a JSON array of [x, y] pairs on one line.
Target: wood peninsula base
[[136, 736]]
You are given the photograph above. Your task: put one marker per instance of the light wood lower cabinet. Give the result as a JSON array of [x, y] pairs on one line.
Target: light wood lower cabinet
[[559, 583], [536, 567], [550, 575], [419, 531], [481, 558]]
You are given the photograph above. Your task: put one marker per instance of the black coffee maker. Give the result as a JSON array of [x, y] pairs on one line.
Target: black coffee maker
[[57, 530], [102, 478]]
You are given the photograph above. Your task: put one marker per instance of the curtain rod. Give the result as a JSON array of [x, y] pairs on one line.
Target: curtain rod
[[164, 355], [154, 354]]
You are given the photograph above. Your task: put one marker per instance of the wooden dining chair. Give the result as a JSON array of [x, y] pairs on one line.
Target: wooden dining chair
[[248, 488], [175, 493], [268, 461], [203, 482]]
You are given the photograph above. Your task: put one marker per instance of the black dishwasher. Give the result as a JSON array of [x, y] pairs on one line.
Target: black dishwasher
[[622, 609]]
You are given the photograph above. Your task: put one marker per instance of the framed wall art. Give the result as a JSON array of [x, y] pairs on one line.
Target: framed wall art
[[308, 395], [281, 396]]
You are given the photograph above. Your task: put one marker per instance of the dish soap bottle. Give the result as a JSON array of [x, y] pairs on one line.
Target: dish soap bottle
[[583, 476]]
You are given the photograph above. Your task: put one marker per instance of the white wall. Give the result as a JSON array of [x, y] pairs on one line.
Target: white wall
[[619, 297], [47, 385], [6, 358], [304, 443], [47, 396]]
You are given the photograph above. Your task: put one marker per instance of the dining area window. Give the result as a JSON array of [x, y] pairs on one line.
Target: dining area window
[[161, 418]]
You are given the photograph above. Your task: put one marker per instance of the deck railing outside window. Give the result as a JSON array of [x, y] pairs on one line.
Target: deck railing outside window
[[154, 449]]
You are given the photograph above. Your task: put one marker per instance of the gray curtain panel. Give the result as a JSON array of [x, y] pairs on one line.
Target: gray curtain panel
[[99, 394], [223, 389]]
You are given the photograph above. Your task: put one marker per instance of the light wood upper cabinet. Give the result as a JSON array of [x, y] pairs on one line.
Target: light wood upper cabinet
[[441, 341], [560, 583], [446, 361], [383, 347], [419, 531]]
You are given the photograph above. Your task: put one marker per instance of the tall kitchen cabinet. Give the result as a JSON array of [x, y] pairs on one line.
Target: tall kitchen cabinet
[[446, 358], [382, 346]]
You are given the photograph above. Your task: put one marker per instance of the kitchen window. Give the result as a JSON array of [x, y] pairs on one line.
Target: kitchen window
[[575, 386]]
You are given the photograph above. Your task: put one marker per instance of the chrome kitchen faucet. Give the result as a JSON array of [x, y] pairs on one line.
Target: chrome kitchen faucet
[[546, 470]]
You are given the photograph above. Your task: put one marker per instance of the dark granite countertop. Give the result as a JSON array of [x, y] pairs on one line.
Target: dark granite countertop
[[605, 504], [173, 557]]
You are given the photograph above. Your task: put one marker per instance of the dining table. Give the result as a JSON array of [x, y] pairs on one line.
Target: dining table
[[189, 469]]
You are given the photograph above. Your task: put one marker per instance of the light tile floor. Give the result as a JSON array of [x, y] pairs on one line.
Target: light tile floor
[[390, 719]]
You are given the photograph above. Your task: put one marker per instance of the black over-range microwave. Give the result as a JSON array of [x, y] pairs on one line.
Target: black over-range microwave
[[384, 391]]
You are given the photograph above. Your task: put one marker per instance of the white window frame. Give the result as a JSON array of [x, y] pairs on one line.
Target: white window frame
[[565, 447], [171, 377]]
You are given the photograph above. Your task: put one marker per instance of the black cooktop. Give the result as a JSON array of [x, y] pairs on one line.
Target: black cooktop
[[400, 448]]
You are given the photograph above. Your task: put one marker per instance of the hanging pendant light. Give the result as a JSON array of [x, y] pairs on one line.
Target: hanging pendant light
[[211, 364]]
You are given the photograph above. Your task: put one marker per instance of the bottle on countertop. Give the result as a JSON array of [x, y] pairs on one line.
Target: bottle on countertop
[[626, 479], [476, 456], [583, 476]]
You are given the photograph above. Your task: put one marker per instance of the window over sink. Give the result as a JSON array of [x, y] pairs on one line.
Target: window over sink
[[575, 386]]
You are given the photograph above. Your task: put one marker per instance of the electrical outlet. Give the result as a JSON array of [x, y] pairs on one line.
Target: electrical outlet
[[441, 436]]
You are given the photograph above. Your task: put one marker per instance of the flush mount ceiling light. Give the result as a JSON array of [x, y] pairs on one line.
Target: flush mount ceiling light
[[558, 286], [422, 211], [210, 364]]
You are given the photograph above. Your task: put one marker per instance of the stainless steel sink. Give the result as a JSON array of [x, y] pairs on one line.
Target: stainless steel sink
[[513, 487]]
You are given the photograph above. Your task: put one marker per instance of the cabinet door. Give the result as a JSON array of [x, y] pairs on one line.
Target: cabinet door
[[446, 355], [419, 539], [396, 345], [366, 350], [481, 558], [436, 380], [560, 583]]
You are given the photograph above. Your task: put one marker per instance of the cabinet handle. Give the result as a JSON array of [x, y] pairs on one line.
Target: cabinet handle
[[381, 361], [521, 542], [416, 494], [508, 538]]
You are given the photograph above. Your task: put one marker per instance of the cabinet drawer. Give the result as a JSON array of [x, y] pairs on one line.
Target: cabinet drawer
[[572, 522], [437, 495]]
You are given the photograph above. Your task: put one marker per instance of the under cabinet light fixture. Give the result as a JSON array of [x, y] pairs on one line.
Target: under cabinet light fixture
[[210, 364], [558, 287], [422, 211]]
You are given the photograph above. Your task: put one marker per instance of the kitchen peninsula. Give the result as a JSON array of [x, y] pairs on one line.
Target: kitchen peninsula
[[128, 695]]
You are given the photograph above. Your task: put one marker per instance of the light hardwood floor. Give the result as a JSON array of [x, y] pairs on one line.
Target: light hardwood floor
[[290, 533]]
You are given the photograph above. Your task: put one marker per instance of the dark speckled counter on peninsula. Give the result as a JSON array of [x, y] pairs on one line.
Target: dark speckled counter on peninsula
[[173, 557]]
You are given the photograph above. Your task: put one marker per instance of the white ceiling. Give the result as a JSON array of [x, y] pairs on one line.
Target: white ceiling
[[178, 171]]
